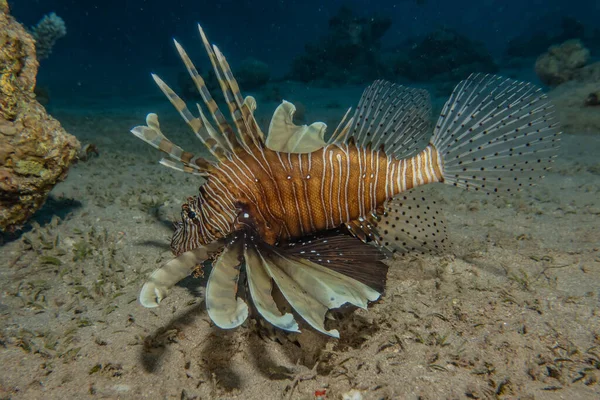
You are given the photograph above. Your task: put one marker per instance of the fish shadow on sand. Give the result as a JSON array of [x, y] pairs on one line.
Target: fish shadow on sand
[[56, 206], [155, 213], [155, 244], [154, 344], [275, 354]]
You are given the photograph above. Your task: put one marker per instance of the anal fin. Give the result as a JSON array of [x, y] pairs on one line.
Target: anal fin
[[364, 228]]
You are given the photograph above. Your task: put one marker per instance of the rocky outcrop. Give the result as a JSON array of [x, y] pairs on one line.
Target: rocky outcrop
[[576, 85], [562, 63], [443, 55], [35, 151], [348, 53]]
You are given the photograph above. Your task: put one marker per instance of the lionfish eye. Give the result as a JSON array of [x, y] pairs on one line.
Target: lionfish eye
[[191, 214]]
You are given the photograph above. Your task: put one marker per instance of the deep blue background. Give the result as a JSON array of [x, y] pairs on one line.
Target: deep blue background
[[111, 45]]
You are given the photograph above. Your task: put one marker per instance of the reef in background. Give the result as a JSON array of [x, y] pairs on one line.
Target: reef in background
[[351, 52], [50, 28], [444, 55], [576, 84], [535, 41], [348, 53], [563, 63], [35, 151]]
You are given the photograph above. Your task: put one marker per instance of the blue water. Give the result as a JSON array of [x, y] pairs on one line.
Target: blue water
[[112, 46]]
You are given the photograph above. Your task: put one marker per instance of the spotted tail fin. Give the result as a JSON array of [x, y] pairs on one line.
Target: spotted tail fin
[[495, 134]]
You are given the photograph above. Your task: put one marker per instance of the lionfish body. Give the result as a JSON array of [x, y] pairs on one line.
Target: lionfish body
[[291, 195], [290, 207]]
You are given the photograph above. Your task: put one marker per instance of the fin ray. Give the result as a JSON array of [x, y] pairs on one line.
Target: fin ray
[[259, 282], [225, 309], [496, 134], [244, 120], [309, 308], [152, 135], [313, 289], [394, 116], [164, 278], [344, 254]]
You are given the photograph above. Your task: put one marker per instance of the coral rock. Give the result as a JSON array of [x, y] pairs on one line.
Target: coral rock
[[444, 55], [347, 53], [35, 151], [562, 63], [50, 28]]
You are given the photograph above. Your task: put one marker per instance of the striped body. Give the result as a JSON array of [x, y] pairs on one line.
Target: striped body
[[289, 195]]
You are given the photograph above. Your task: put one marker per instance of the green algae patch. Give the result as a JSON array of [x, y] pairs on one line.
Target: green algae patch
[[27, 167]]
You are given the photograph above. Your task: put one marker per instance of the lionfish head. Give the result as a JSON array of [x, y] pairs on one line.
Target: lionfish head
[[197, 228]]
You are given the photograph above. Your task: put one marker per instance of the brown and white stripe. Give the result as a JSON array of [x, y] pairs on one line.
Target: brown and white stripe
[[290, 195]]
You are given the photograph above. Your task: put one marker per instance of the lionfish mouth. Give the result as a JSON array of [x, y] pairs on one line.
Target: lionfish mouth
[[311, 274]]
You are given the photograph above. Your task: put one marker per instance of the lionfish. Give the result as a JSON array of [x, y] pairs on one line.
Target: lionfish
[[314, 219]]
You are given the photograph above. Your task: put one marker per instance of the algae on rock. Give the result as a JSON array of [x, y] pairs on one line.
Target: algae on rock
[[35, 151]]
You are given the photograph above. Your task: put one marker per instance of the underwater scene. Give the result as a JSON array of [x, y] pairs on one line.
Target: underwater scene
[[299, 200]]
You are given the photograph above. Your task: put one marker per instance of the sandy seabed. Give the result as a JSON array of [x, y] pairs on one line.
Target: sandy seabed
[[511, 311]]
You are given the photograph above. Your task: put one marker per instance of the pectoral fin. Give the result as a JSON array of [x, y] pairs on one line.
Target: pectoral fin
[[163, 279], [224, 307]]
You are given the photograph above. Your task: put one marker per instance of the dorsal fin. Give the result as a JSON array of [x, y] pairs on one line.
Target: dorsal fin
[[285, 136], [395, 116], [247, 125], [231, 91], [210, 103], [339, 135], [151, 134], [248, 108], [196, 123], [222, 141]]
